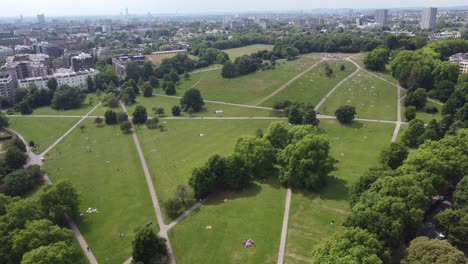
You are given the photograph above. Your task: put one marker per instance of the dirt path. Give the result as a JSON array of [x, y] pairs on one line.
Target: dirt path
[[284, 86]]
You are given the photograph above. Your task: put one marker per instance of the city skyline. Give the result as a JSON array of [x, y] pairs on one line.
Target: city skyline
[[111, 7]]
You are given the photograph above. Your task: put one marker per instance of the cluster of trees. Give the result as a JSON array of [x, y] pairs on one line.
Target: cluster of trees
[[302, 114], [376, 59], [211, 56], [31, 230], [298, 157], [241, 66], [345, 114], [148, 247], [388, 205]]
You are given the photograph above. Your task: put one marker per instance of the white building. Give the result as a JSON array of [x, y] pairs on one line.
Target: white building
[[63, 76], [5, 52], [444, 35], [462, 60], [428, 18], [7, 84]]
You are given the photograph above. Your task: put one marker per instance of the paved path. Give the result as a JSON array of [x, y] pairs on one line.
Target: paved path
[[284, 230], [336, 86], [398, 123], [154, 198], [284, 86], [34, 159], [210, 69], [185, 214], [69, 131]]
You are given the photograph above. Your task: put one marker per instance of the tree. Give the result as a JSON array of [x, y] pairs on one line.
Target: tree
[[345, 114], [229, 70], [237, 172], [192, 99], [19, 182], [186, 75], [258, 153], [20, 94], [147, 247], [126, 127], [111, 101], [154, 81], [147, 90], [60, 200], [148, 70], [152, 123], [66, 97], [415, 130], [418, 98], [24, 107], [132, 71], [393, 156], [128, 96], [424, 250], [110, 117], [176, 110], [98, 120], [410, 113], [460, 196], [170, 88], [36, 234], [122, 117], [306, 163], [3, 121], [90, 84], [205, 180], [15, 158], [140, 115], [277, 135], [52, 84], [60, 252], [295, 115], [365, 182], [310, 117], [18, 143], [352, 245], [376, 59]]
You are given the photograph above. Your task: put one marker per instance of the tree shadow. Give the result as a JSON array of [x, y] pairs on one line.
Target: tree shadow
[[217, 198], [355, 124], [336, 189]]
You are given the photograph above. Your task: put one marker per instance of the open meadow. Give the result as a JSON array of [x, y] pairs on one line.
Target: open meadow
[[247, 50], [91, 101]]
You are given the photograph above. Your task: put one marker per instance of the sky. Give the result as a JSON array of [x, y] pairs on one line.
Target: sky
[[12, 8]]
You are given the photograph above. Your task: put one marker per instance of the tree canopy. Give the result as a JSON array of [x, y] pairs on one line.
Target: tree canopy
[[192, 99], [66, 97]]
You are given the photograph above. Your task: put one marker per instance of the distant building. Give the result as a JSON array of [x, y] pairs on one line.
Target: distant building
[[5, 52], [359, 21], [428, 18], [63, 76], [444, 35], [82, 62], [119, 63], [106, 29], [264, 23], [462, 60], [41, 19], [28, 65], [381, 17], [8, 84], [52, 50]]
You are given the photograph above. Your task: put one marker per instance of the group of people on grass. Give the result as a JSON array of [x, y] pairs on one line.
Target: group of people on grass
[[248, 243]]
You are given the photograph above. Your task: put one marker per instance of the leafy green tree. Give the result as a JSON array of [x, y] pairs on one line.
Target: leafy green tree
[[154, 81], [415, 130], [206, 179], [36, 234], [186, 75], [152, 123], [423, 250], [237, 173], [455, 224], [140, 115], [66, 97], [192, 99], [90, 84], [258, 153], [229, 70], [110, 117], [147, 247], [176, 110], [295, 115], [394, 156], [310, 117], [148, 70], [410, 113], [306, 163], [20, 94], [277, 135], [376, 59], [460, 196], [24, 107], [418, 98], [126, 127], [365, 181], [122, 117], [170, 88], [147, 90], [132, 71], [128, 96], [19, 182], [98, 120], [345, 114], [60, 253], [60, 200], [3, 121], [52, 84], [15, 158], [352, 245]]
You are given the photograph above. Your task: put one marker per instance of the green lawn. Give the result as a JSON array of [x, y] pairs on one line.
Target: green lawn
[[90, 101], [103, 165], [228, 110], [385, 75], [42, 130], [357, 149], [248, 89], [255, 213], [421, 114], [173, 154], [247, 50], [314, 85], [372, 97]]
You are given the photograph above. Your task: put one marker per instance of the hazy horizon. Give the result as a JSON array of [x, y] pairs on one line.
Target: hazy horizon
[[115, 7]]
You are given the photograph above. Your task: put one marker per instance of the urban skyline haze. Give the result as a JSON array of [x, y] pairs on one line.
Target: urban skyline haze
[[114, 7]]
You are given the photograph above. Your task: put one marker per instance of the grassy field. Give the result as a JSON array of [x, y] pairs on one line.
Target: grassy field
[[247, 50], [90, 101], [158, 58], [42, 130], [255, 213], [104, 166], [173, 154], [426, 117], [248, 89], [359, 59], [228, 110], [372, 97], [314, 85], [357, 148]]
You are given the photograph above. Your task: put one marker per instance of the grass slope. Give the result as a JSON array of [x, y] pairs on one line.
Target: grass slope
[[421, 114], [247, 50], [372, 97], [43, 131], [314, 85], [357, 148], [104, 167], [90, 101]]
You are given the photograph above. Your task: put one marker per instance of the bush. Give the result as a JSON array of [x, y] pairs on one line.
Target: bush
[[126, 127], [122, 117], [176, 110], [140, 115], [345, 114], [152, 123], [410, 113], [110, 117], [174, 207]]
